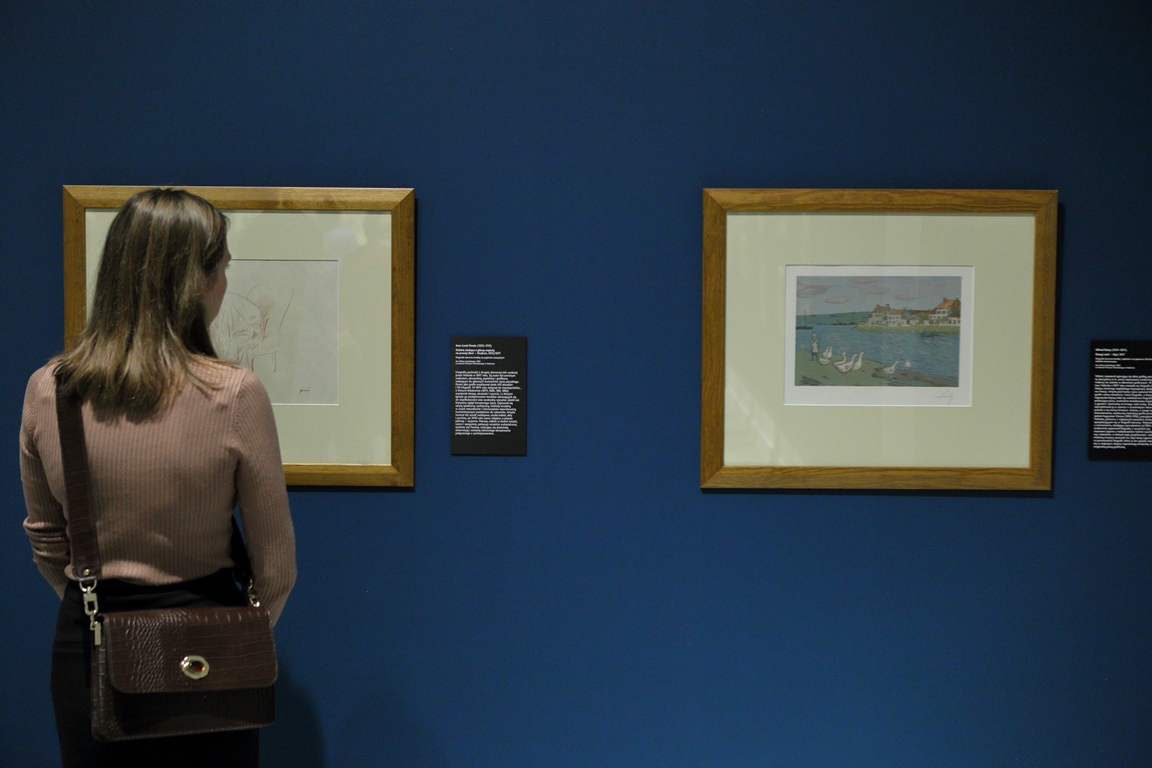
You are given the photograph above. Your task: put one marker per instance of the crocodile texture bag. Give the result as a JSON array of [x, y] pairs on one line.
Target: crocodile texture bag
[[166, 671], [177, 671]]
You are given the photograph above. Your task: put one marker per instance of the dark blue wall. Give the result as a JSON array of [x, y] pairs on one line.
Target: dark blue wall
[[588, 605]]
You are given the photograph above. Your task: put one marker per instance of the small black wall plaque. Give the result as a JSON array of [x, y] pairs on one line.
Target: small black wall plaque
[[1120, 417], [489, 395]]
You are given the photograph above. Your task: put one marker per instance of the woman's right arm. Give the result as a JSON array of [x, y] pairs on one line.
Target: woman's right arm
[[263, 497]]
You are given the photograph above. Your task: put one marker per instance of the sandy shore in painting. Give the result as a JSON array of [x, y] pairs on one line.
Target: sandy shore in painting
[[810, 373]]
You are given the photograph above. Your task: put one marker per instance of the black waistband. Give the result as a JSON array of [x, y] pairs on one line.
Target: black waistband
[[217, 587], [209, 584]]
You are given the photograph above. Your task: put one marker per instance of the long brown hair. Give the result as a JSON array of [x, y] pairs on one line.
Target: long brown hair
[[147, 322]]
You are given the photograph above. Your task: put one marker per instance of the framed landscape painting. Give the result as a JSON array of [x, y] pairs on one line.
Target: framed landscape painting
[[878, 339]]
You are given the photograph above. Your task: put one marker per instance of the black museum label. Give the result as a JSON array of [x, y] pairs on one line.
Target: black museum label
[[1120, 416], [489, 395]]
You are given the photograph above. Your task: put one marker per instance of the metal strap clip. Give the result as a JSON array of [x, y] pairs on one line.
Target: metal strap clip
[[253, 598], [92, 611]]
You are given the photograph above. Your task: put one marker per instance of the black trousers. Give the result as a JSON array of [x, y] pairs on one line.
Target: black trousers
[[71, 661]]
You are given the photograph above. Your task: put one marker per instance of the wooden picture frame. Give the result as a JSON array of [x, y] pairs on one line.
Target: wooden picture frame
[[351, 253], [1000, 244]]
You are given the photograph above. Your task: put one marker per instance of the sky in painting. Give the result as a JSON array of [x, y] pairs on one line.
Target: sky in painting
[[824, 295]]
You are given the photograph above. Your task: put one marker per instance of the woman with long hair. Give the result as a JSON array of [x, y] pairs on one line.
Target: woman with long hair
[[176, 439]]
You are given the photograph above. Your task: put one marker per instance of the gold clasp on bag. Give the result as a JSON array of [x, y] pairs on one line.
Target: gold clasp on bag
[[194, 667]]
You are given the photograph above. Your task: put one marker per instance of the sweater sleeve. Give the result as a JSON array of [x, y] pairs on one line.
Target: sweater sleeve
[[46, 526], [263, 497]]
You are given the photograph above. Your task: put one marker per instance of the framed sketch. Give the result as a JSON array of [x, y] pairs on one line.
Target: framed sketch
[[320, 305], [886, 339]]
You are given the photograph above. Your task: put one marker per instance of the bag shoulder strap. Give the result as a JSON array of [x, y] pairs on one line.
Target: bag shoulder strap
[[74, 455], [241, 563]]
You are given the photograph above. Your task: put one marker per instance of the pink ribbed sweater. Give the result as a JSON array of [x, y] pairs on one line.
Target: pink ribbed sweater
[[163, 489]]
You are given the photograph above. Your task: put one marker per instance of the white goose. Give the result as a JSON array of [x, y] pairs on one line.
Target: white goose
[[859, 362], [891, 369], [845, 365], [825, 356]]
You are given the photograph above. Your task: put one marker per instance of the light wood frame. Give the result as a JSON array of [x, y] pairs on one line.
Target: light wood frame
[[399, 203], [1034, 474]]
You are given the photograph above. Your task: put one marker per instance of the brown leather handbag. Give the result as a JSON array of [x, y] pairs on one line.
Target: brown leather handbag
[[167, 671]]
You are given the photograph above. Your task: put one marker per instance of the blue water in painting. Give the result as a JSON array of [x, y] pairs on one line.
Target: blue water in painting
[[938, 355]]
